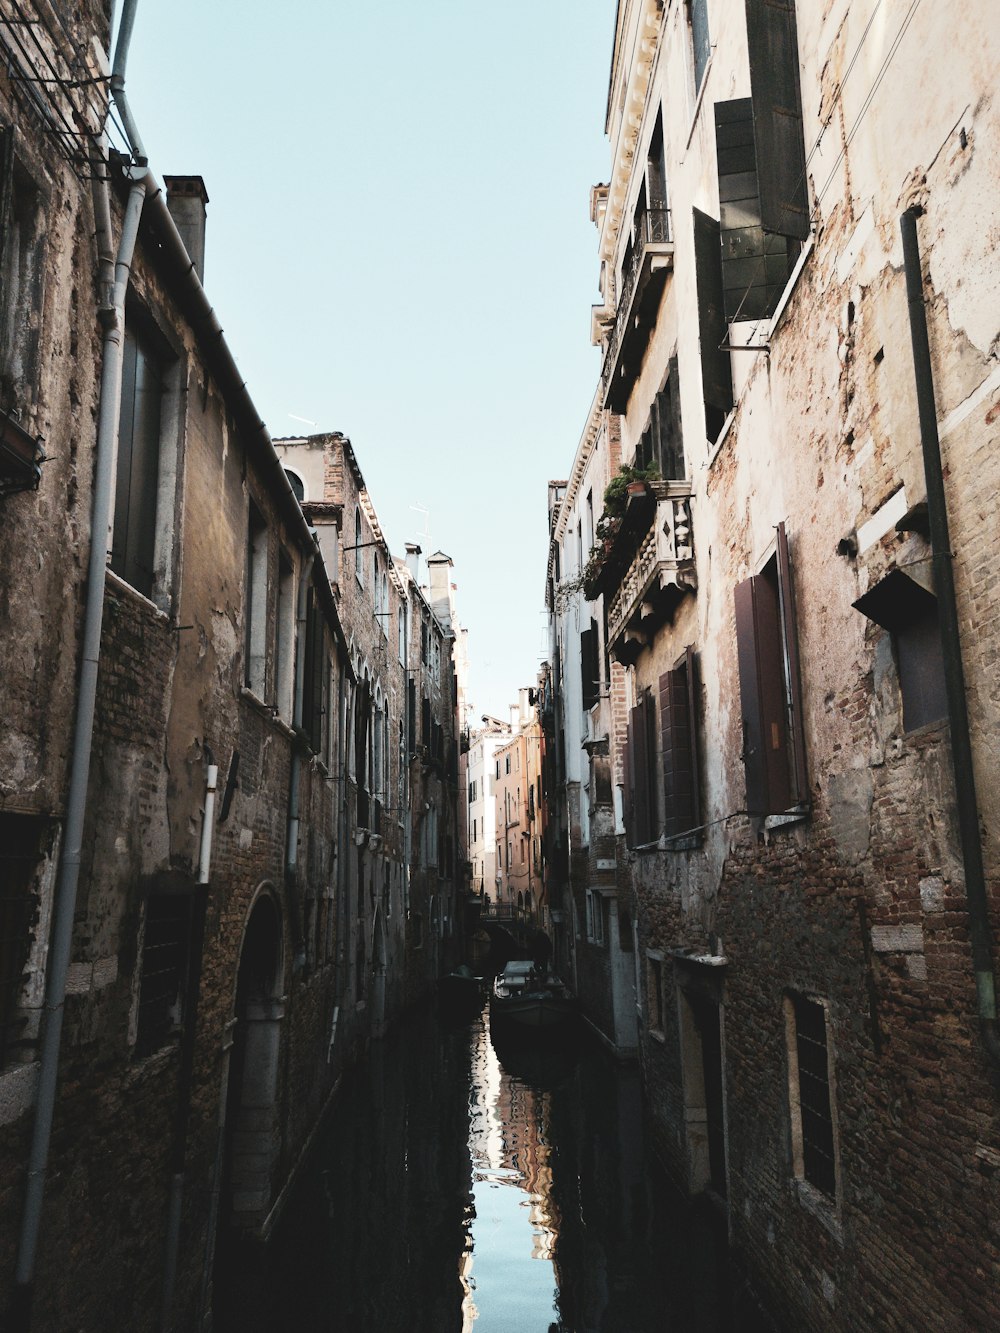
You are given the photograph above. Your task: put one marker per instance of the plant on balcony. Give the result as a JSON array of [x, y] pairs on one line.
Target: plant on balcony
[[616, 493], [616, 496]]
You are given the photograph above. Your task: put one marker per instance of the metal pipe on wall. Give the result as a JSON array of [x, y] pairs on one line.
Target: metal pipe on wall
[[113, 320], [951, 644]]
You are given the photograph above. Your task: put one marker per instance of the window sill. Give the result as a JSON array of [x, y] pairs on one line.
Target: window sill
[[786, 818], [790, 286], [821, 1206], [122, 585], [18, 1086], [715, 448]]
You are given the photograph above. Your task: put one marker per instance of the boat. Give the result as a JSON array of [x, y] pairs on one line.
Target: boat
[[528, 999], [460, 993]]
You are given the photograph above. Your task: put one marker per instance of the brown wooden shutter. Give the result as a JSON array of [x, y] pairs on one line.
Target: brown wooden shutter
[[800, 780], [777, 117], [716, 370], [691, 668], [589, 668], [318, 673], [762, 696], [628, 785], [678, 749], [640, 773]]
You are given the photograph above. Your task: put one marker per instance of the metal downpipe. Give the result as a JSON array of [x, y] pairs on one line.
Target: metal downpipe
[[295, 778], [83, 736], [951, 644]]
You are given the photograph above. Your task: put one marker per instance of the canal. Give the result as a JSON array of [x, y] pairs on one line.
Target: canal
[[460, 1187]]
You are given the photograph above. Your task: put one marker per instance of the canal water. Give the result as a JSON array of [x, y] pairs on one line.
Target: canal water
[[460, 1187]]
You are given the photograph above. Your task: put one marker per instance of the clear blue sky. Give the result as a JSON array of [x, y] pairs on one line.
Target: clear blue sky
[[399, 247]]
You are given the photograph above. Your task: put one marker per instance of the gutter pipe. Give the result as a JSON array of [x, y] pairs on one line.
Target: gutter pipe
[[951, 645], [185, 1076], [295, 778], [112, 318]]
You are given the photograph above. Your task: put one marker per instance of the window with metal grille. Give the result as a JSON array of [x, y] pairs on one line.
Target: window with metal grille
[[165, 945], [813, 1136], [138, 476], [19, 859]]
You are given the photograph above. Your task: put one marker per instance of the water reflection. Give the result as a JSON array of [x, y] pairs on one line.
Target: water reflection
[[462, 1187]]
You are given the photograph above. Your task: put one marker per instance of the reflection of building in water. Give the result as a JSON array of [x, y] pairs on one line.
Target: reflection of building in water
[[509, 1145]]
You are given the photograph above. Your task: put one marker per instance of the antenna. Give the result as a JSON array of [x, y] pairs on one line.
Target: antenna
[[422, 509]]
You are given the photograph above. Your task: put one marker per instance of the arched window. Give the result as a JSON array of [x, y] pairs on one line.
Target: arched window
[[297, 484], [401, 630], [359, 569]]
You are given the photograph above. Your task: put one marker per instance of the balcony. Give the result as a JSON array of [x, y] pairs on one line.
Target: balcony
[[650, 568], [644, 274]]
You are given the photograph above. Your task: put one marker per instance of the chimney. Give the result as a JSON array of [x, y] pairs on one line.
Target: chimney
[[413, 561], [186, 200], [438, 566]]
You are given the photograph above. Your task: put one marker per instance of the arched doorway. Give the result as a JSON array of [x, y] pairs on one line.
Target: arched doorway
[[252, 1134]]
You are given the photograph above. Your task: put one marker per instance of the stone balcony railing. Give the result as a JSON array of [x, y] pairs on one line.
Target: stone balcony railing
[[658, 575]]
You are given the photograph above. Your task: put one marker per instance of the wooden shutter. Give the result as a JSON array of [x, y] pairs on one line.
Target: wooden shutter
[[6, 195], [681, 806], [628, 813], [317, 673], [638, 727], [800, 781], [777, 117], [716, 370], [762, 696], [411, 715], [589, 666]]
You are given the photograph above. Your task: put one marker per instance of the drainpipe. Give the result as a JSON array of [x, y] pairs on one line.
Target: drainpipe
[[112, 318], [944, 584], [185, 1076], [292, 849]]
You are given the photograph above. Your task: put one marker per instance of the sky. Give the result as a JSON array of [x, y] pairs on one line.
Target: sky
[[399, 247]]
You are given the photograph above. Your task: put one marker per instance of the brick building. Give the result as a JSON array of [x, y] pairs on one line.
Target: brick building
[[813, 878], [204, 798]]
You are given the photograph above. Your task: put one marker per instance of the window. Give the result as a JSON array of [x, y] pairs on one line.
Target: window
[[770, 694], [401, 635], [716, 367], [19, 860], [255, 605], [138, 474], [316, 675], [589, 521], [590, 666], [285, 642], [359, 564], [701, 41], [755, 263], [165, 941], [777, 117], [910, 613], [22, 271], [679, 749], [654, 993], [596, 908], [297, 484], [809, 1093], [641, 817]]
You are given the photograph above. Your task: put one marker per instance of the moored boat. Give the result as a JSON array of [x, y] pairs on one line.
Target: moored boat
[[528, 1000]]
